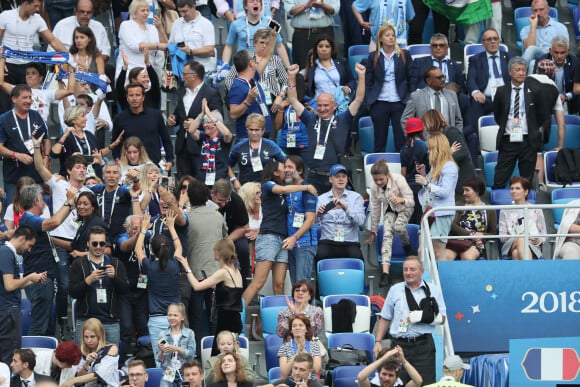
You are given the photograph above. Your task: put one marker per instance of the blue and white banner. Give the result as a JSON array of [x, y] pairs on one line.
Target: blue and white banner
[[544, 362], [37, 56], [490, 302]]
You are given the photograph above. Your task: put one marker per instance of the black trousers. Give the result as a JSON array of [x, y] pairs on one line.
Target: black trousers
[[421, 354], [416, 25], [510, 152]]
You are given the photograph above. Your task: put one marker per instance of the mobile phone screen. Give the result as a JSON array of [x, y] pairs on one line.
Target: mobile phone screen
[[252, 83]]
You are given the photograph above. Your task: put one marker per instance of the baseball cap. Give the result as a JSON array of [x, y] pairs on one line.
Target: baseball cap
[[547, 67], [413, 125], [336, 168], [454, 363]]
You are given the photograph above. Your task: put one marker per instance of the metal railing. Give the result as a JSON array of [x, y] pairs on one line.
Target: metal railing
[[427, 253]]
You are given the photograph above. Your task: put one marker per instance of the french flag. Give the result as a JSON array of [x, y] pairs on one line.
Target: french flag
[[551, 364]]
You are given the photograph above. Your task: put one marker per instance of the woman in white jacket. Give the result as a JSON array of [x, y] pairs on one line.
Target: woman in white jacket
[[569, 247]]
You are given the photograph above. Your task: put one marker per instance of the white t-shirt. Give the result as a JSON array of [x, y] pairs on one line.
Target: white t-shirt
[[64, 30], [195, 33], [68, 228], [20, 34], [41, 100]]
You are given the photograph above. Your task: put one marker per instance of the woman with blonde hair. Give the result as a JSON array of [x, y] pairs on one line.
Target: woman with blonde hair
[[387, 87], [251, 194], [149, 181], [99, 364], [133, 156], [435, 123], [438, 188]]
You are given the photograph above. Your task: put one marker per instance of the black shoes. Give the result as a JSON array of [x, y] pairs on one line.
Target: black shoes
[[409, 250], [386, 281]]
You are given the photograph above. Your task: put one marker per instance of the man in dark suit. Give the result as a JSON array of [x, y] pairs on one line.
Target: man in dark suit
[[22, 367], [187, 151], [453, 71], [486, 72], [521, 111], [566, 67]]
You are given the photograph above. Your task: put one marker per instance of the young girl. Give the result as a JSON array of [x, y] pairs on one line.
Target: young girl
[[226, 342], [228, 288], [391, 196], [414, 152], [176, 345]]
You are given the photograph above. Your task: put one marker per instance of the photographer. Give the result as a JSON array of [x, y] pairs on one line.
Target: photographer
[[412, 310]]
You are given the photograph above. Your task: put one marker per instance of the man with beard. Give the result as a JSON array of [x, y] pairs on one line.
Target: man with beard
[[302, 237]]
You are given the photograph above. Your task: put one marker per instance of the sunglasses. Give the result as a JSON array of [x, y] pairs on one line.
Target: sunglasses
[[438, 45], [98, 243]]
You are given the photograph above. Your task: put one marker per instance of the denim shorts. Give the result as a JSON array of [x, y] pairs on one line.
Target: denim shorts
[[269, 248], [441, 227]]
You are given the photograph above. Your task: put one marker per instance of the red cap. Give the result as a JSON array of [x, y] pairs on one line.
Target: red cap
[[413, 125]]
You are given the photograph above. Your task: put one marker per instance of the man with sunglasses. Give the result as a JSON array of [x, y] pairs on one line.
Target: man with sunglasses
[[434, 96], [96, 281]]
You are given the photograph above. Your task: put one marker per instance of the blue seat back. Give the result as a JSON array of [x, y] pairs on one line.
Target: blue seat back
[[155, 375], [39, 342], [419, 50], [272, 344], [572, 139], [270, 306], [575, 19], [25, 309], [364, 341], [366, 134], [274, 374], [563, 196], [340, 276], [502, 196], [489, 163], [356, 54], [346, 376], [488, 370]]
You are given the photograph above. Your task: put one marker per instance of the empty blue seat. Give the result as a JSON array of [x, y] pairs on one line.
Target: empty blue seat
[[272, 344], [274, 374], [364, 341], [270, 306], [39, 342], [562, 196], [155, 375], [345, 376], [340, 276], [356, 54]]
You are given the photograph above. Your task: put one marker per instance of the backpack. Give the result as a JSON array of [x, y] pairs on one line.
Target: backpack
[[567, 166]]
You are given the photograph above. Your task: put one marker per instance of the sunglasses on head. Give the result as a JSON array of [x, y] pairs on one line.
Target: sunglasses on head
[[98, 243]]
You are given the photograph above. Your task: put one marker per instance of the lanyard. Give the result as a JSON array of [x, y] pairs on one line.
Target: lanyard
[[112, 205], [385, 11], [18, 125], [259, 96], [259, 149], [317, 128], [248, 35], [95, 268], [86, 142], [290, 122]]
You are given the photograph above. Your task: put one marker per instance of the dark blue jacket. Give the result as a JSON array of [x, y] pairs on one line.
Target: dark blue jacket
[[343, 71], [420, 65], [375, 76], [478, 70]]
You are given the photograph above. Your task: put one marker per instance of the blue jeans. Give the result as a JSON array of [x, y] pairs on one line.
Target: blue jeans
[[112, 335], [300, 263], [134, 312], [41, 297], [156, 325], [62, 283]]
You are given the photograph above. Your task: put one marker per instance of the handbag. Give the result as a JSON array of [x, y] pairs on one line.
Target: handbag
[[347, 355], [169, 82], [431, 217], [459, 245]]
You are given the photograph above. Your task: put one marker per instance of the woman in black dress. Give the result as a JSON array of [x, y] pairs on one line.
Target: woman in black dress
[[88, 216], [228, 288]]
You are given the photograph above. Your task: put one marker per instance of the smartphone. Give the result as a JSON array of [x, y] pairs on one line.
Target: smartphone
[[181, 44], [101, 267], [163, 342], [273, 25], [184, 384], [164, 181], [89, 159], [124, 381], [252, 83], [329, 207], [157, 12]]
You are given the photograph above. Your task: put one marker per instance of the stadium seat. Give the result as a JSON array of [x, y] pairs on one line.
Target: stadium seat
[[345, 376], [39, 342], [472, 49], [488, 370], [274, 374], [393, 162], [421, 50], [364, 341], [363, 311], [521, 19], [489, 163], [572, 138], [272, 344], [340, 276], [207, 344], [562, 196], [270, 306], [398, 254], [155, 375], [488, 129], [356, 54], [549, 175], [502, 197], [573, 4], [575, 19], [367, 137]]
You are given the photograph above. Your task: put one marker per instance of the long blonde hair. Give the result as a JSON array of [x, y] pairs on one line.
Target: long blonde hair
[[94, 325], [149, 167], [248, 193], [383, 30], [439, 154]]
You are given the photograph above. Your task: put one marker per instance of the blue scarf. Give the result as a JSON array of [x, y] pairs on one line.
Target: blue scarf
[[37, 56]]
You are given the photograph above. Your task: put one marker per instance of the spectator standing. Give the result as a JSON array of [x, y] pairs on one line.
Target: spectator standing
[[394, 12]]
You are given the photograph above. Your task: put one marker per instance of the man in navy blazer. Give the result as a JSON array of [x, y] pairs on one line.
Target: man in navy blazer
[[187, 151], [566, 68], [453, 71]]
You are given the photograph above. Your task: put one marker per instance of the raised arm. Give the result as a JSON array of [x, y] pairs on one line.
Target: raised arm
[[291, 92], [360, 89], [139, 250], [38, 161], [169, 221], [210, 282]]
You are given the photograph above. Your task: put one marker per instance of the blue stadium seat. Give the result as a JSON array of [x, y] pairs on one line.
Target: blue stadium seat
[[367, 137], [364, 341], [487, 128], [489, 163], [362, 322], [345, 376], [573, 4], [549, 175], [270, 306], [39, 342], [393, 162], [419, 50], [398, 253], [356, 54], [272, 344], [472, 49], [575, 19], [572, 139], [521, 19], [155, 375], [502, 196], [274, 374], [488, 370], [340, 276]]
